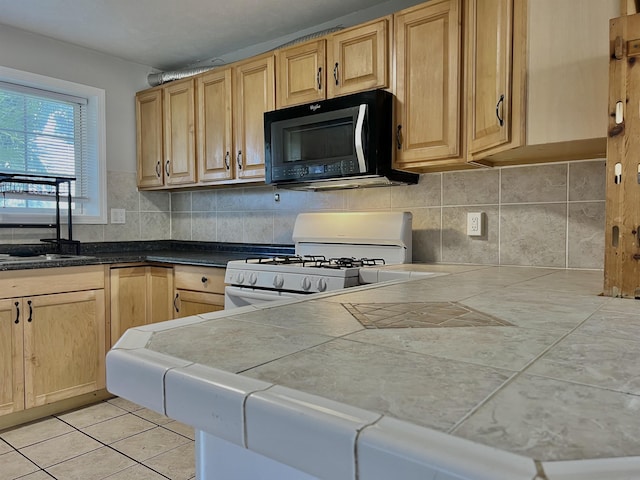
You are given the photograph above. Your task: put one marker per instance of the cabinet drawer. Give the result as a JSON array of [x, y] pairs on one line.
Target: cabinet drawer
[[42, 281], [200, 279]]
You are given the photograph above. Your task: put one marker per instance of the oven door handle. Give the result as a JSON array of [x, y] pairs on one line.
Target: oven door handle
[[266, 295], [359, 140]]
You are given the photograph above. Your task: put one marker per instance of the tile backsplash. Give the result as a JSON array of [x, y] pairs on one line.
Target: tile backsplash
[[542, 215]]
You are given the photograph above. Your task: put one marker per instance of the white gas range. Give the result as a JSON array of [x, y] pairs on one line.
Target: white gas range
[[330, 250]]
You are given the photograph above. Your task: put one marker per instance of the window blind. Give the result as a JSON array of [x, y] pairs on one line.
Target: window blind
[[43, 132]]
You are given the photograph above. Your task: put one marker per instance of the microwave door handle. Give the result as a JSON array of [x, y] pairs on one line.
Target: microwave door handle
[[358, 138]]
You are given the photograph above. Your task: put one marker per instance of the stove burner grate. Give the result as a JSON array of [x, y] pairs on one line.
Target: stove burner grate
[[317, 261], [350, 262]]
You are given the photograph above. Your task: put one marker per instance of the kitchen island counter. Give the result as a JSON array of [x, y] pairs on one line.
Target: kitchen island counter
[[484, 373]]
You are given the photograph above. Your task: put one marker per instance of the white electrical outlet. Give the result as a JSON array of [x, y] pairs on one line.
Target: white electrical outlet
[[474, 224], [118, 215]]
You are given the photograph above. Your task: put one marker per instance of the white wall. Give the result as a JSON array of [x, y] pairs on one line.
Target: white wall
[[119, 78]]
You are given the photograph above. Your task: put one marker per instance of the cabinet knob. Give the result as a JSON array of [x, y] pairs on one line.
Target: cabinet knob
[[204, 279]]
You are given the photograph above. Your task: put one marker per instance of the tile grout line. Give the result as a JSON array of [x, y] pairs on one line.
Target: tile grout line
[[109, 446], [75, 429], [566, 233], [499, 217], [519, 373]]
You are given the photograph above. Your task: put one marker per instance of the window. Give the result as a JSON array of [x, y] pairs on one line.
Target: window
[[52, 127]]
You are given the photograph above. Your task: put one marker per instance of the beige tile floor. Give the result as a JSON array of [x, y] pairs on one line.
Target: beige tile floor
[[114, 440]]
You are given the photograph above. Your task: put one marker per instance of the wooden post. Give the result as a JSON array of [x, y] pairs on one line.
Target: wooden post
[[629, 7], [622, 234]]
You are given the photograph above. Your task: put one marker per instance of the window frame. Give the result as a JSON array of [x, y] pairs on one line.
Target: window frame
[[96, 134]]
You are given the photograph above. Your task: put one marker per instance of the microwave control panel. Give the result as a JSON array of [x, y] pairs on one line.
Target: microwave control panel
[[304, 171]]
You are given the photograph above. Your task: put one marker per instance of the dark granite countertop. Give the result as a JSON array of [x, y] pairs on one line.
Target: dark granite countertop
[[212, 254]]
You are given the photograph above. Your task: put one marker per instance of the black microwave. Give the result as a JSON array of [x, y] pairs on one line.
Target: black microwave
[[343, 142]]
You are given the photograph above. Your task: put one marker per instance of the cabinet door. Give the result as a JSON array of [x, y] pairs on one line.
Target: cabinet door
[[490, 24], [428, 61], [567, 87], [254, 94], [11, 356], [128, 299], [159, 290], [189, 303], [358, 59], [179, 133], [214, 126], [139, 296], [149, 138], [301, 74], [63, 346]]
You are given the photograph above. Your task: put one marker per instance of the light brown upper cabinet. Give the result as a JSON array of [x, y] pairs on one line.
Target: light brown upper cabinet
[[489, 30], [349, 61], [301, 74], [550, 61], [254, 94], [358, 59], [208, 129], [149, 138], [165, 124], [215, 138], [428, 85], [179, 132]]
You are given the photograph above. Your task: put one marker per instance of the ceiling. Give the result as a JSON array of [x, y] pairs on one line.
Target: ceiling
[[169, 34]]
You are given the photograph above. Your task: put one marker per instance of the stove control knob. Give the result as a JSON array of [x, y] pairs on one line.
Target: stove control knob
[[240, 278], [253, 278], [305, 284], [322, 284], [278, 281]]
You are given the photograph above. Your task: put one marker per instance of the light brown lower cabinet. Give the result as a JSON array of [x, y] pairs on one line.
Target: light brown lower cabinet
[[52, 345], [198, 290], [53, 326], [140, 295], [11, 358]]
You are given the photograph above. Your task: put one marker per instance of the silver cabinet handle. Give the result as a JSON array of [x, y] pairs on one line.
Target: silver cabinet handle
[[239, 159]]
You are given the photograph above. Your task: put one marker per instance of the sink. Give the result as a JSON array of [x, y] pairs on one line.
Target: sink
[[6, 258]]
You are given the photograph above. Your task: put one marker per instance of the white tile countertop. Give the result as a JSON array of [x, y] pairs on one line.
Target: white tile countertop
[[484, 373]]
